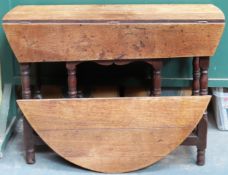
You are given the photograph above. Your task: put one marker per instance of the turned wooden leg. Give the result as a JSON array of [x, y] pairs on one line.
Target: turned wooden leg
[[37, 88], [156, 78], [196, 76], [203, 124], [72, 80], [28, 131], [204, 65]]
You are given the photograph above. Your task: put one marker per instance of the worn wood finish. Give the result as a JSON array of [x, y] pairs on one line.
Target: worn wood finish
[[47, 42], [114, 134], [112, 32], [115, 12]]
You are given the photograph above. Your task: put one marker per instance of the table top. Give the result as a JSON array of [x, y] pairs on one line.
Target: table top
[[112, 32], [114, 135], [147, 12]]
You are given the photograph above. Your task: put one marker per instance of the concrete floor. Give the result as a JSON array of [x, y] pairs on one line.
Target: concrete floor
[[181, 161]]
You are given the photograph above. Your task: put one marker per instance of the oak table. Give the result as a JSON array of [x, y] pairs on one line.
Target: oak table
[[115, 134]]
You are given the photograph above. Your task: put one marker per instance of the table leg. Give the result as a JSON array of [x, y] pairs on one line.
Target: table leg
[[28, 131], [37, 88], [203, 124], [72, 79], [156, 78], [196, 76]]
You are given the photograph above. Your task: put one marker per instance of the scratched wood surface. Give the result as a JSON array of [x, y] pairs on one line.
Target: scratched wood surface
[[110, 32], [115, 12], [74, 42], [114, 134]]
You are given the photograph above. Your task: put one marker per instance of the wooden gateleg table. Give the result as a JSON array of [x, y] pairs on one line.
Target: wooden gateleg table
[[125, 133]]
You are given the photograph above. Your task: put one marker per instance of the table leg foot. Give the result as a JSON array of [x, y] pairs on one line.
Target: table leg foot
[[202, 144], [29, 143], [200, 157], [30, 156]]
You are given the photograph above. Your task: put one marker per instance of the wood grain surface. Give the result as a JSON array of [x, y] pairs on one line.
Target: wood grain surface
[[112, 32], [115, 12], [86, 42], [114, 134]]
